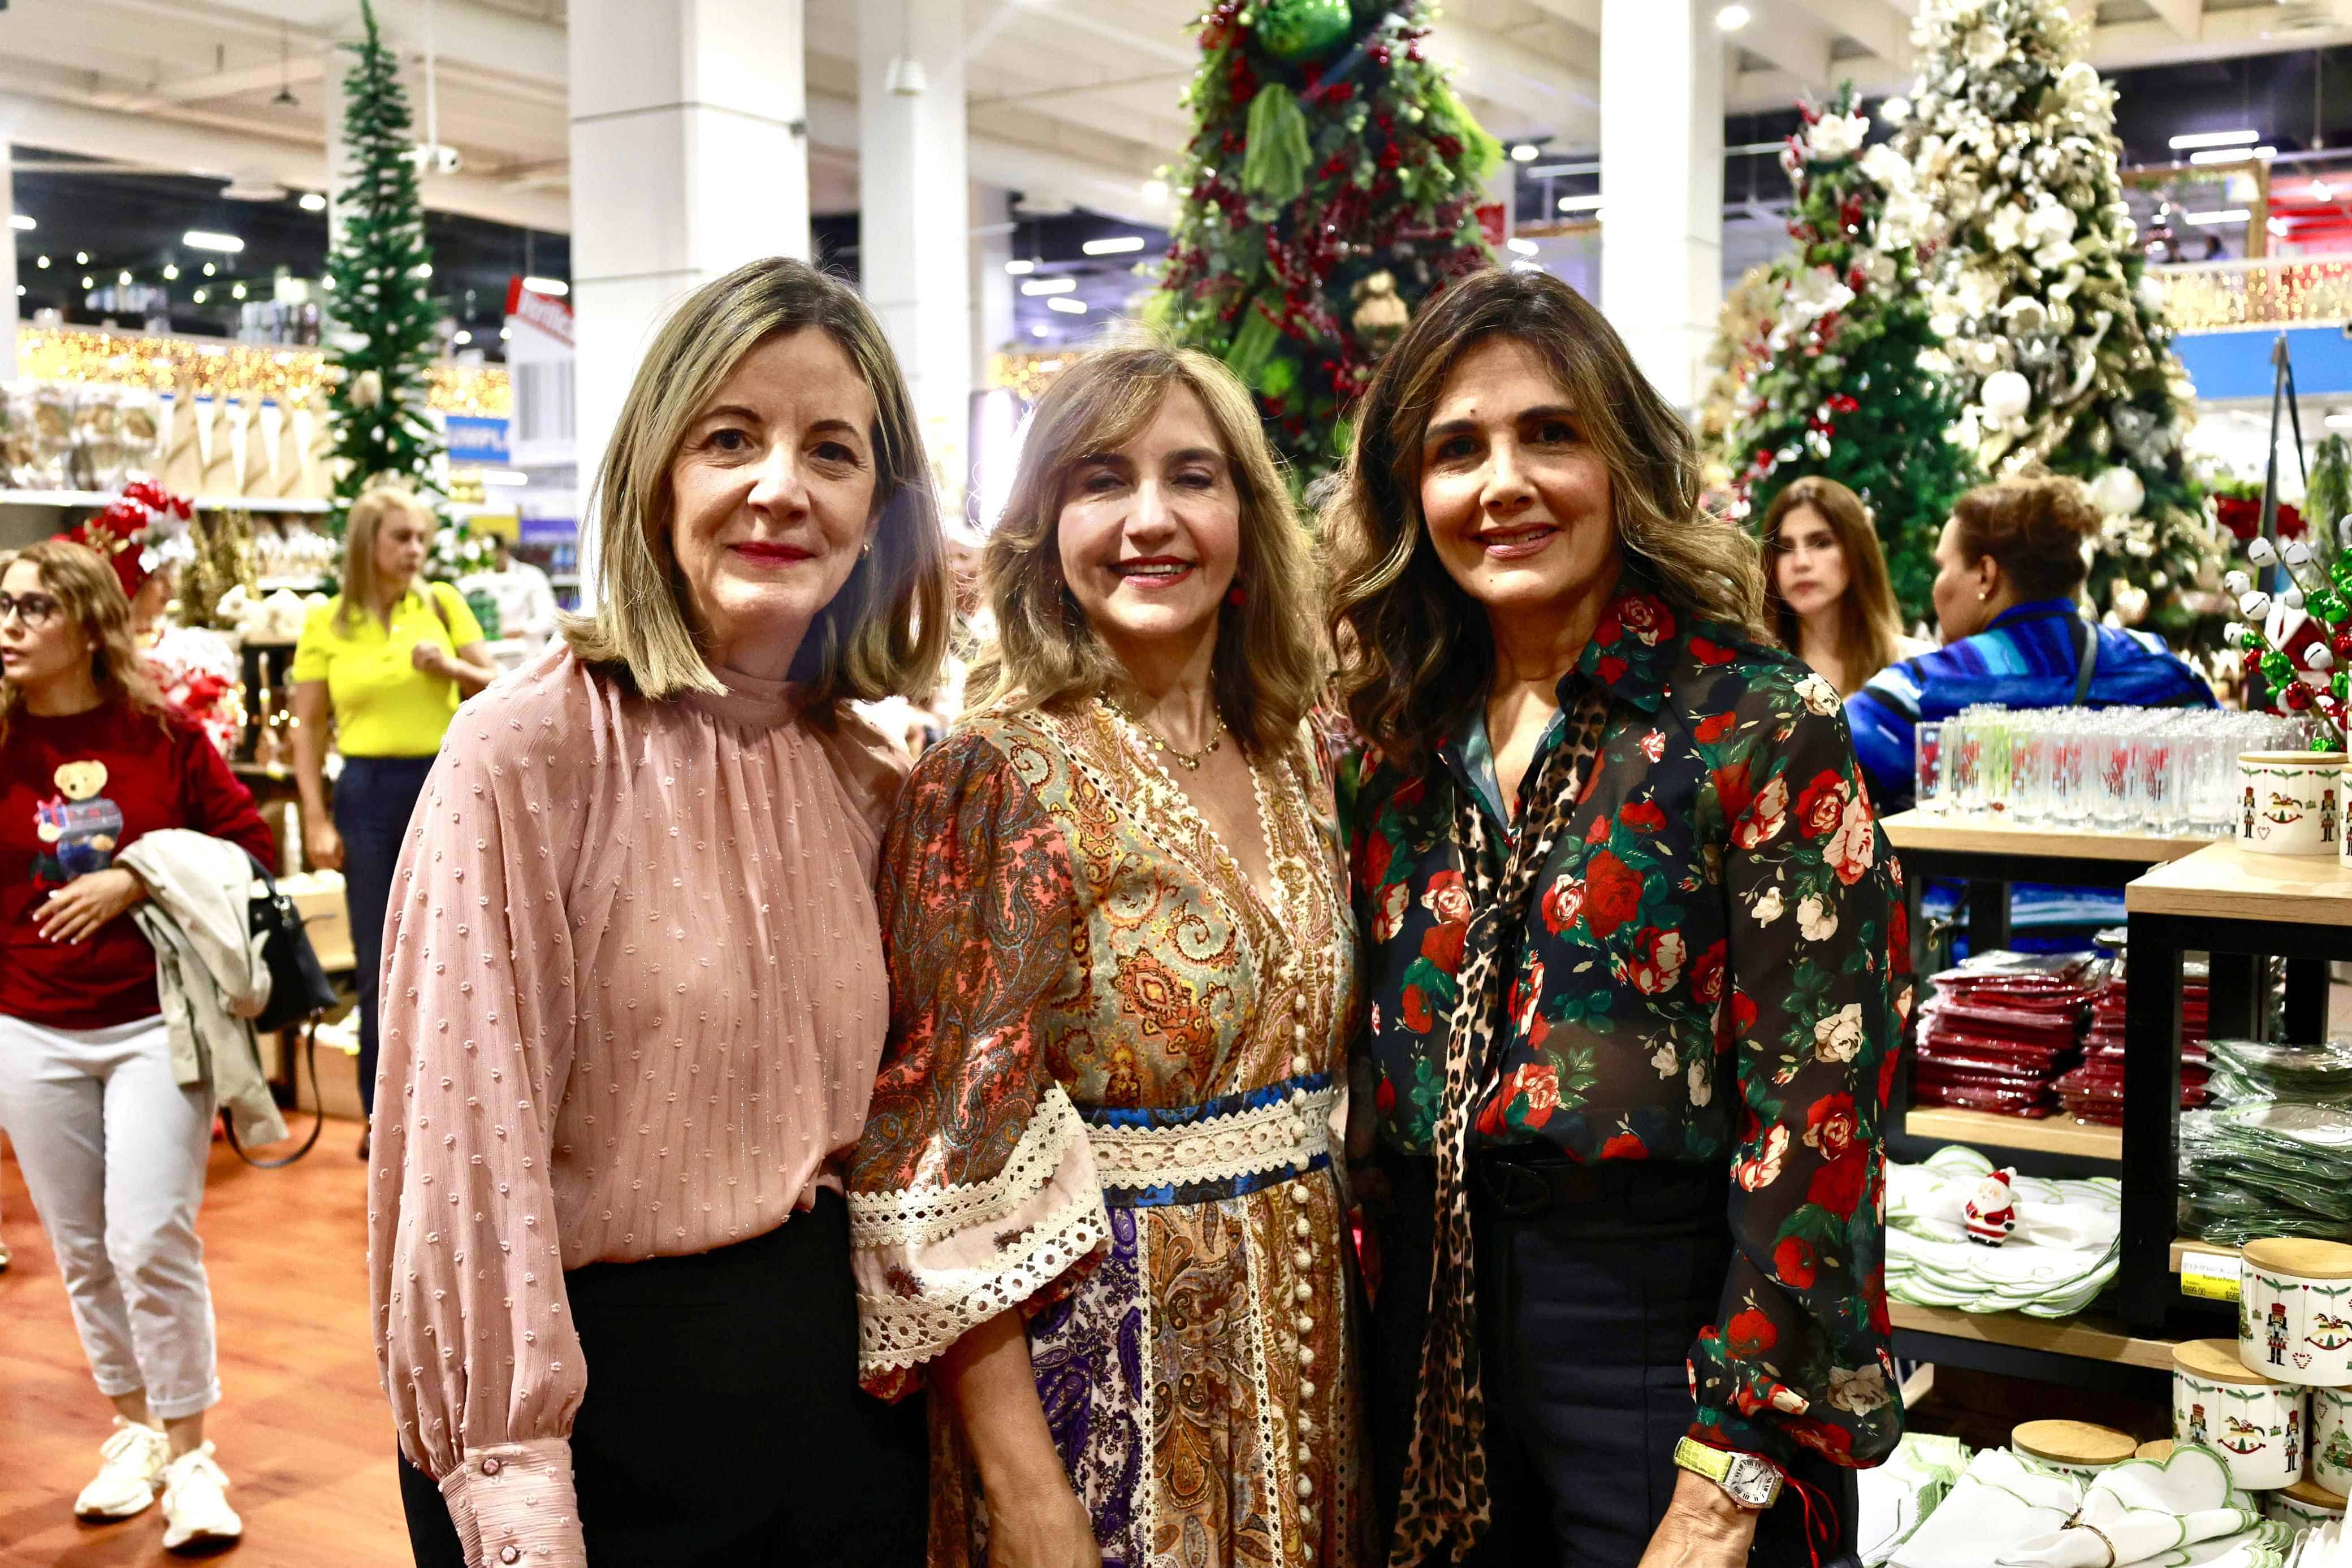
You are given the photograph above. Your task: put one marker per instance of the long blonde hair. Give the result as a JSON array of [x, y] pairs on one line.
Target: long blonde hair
[[1868, 621], [368, 514], [91, 596], [1270, 660], [886, 631], [1416, 653]]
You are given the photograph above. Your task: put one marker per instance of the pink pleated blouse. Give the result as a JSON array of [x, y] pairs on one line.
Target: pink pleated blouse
[[633, 1002]]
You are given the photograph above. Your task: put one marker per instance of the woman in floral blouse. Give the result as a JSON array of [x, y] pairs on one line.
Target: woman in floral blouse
[[1634, 956]]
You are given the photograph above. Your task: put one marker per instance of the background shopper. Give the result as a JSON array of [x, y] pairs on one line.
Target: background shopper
[[388, 661], [1826, 595], [112, 1144]]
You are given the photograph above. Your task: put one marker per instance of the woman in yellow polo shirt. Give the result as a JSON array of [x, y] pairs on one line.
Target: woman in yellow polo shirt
[[389, 661]]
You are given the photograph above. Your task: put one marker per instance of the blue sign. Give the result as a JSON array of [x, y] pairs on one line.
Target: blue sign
[[2237, 364], [476, 440]]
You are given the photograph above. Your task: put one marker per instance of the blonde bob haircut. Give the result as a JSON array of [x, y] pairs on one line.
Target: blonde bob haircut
[[886, 631], [91, 597], [376, 504], [1416, 653], [1270, 661]]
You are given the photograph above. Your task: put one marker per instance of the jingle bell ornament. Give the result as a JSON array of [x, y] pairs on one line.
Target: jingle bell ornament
[[1991, 1213]]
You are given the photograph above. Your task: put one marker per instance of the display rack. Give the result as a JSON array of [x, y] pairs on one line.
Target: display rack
[[2225, 901], [2089, 1349]]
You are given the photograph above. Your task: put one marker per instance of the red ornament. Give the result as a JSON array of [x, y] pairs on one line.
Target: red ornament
[[2296, 695]]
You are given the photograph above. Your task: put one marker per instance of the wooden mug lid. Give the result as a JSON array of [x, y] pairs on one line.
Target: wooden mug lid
[[2072, 1443], [2159, 1449], [2215, 1361], [2301, 1256], [2312, 1494]]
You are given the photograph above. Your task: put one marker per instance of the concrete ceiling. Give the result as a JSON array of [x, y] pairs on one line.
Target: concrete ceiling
[[1071, 101]]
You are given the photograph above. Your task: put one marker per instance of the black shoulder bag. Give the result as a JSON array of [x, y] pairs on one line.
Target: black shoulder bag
[[299, 992]]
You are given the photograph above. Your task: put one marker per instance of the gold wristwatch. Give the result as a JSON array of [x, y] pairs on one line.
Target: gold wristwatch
[[1751, 1482]]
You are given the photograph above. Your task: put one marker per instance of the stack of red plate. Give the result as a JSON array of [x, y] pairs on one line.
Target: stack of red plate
[[2095, 1090], [2002, 1028]]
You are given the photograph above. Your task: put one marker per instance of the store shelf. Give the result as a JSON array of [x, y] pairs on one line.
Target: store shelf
[[2092, 1336], [1983, 1129], [1927, 831], [203, 503], [2223, 882], [2190, 1244]]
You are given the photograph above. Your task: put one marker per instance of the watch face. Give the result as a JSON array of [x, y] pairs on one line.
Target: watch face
[[1751, 1485]]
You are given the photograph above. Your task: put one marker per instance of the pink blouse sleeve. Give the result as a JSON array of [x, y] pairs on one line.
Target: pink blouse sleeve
[[473, 1333]]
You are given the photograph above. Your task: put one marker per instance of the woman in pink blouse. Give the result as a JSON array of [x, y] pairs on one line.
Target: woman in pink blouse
[[634, 994]]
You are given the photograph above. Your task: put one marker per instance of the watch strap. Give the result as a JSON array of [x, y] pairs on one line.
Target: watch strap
[[1716, 1465]]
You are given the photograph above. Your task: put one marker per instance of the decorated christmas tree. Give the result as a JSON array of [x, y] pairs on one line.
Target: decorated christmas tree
[[385, 323], [2055, 332], [1332, 187], [1845, 385]]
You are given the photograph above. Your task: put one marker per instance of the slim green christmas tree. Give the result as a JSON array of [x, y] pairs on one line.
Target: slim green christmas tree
[[1332, 187], [385, 323], [2054, 329], [1839, 389]]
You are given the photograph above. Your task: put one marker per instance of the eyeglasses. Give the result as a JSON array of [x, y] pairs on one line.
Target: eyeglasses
[[34, 610]]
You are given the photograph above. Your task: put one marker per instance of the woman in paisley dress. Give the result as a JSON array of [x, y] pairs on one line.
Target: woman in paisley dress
[[1095, 1208]]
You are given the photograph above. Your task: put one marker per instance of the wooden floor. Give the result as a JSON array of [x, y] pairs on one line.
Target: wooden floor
[[303, 1431]]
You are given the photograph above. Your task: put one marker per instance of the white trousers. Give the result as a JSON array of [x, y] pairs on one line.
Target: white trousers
[[113, 1150]]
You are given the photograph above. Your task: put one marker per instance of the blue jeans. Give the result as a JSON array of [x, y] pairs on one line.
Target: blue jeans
[[373, 800]]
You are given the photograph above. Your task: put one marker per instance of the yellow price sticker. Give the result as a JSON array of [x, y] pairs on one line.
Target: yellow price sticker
[[2210, 1275]]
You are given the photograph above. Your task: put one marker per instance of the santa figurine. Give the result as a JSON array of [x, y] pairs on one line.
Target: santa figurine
[[1992, 1212]]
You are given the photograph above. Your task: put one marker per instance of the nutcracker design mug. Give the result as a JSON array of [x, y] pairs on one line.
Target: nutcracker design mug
[[2294, 1320], [2221, 1403], [2289, 801]]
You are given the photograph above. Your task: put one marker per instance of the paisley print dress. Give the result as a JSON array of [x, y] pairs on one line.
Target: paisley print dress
[[1107, 1102]]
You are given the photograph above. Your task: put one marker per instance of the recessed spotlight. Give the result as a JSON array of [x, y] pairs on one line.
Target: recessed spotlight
[[23, 221], [211, 239], [88, 282], [505, 333], [313, 203], [208, 269], [550, 286], [1041, 331], [123, 279], [1731, 18], [42, 262], [81, 258], [1021, 266], [1525, 152], [463, 338], [238, 292], [171, 272], [1066, 306], [198, 296], [1155, 190]]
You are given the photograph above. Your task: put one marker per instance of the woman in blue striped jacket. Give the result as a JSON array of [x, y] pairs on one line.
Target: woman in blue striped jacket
[[2010, 574]]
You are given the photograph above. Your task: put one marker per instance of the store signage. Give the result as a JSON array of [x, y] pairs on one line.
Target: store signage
[[2210, 1275], [478, 439], [544, 311]]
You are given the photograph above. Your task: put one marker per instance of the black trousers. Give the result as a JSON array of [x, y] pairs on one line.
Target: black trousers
[[1586, 1316], [374, 799], [723, 1425]]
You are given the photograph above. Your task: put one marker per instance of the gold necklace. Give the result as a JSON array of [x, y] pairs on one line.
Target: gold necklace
[[1189, 761]]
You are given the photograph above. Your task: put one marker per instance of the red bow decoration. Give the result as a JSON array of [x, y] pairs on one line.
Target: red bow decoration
[[131, 523]]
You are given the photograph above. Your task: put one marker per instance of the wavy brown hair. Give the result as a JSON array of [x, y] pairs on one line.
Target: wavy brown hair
[[886, 631], [1270, 662], [1868, 621], [1416, 653], [91, 596]]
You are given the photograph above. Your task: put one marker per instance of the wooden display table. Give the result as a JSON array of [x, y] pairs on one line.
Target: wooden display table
[[1989, 856], [2225, 901]]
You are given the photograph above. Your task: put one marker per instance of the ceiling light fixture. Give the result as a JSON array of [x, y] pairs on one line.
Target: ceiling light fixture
[[2321, 192], [210, 270], [553, 287], [1591, 204], [23, 222], [238, 292], [42, 262], [1523, 247], [1155, 191], [198, 296], [1067, 307], [88, 282], [2215, 139], [2219, 217], [208, 239], [312, 202], [1020, 267], [1041, 331], [1049, 285], [1118, 244], [81, 258], [285, 99], [1731, 18], [2340, 420], [1525, 153], [463, 338], [123, 279], [171, 272]]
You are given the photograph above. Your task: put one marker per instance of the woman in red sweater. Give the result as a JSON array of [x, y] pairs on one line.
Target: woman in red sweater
[[113, 1147]]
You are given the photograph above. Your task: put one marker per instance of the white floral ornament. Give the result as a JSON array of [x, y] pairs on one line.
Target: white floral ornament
[[2007, 395], [1836, 136], [2117, 492]]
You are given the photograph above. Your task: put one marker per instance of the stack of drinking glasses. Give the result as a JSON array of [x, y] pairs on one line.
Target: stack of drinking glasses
[[2160, 772]]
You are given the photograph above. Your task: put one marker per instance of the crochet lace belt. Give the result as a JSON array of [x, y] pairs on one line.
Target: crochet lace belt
[[1198, 1154]]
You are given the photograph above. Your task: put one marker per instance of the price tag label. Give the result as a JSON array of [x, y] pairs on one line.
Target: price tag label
[[2211, 1275]]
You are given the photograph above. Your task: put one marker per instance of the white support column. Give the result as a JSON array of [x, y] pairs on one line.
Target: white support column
[[9, 311], [689, 157], [914, 243], [1662, 183], [991, 287]]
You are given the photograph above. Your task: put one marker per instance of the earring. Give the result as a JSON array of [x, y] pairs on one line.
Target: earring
[[1237, 595], [866, 550], [1983, 596]]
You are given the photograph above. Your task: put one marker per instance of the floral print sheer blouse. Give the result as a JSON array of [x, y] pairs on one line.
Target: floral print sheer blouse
[[1714, 967]]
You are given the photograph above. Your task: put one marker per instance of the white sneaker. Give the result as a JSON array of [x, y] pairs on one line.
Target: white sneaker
[[127, 1482], [196, 1515]]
